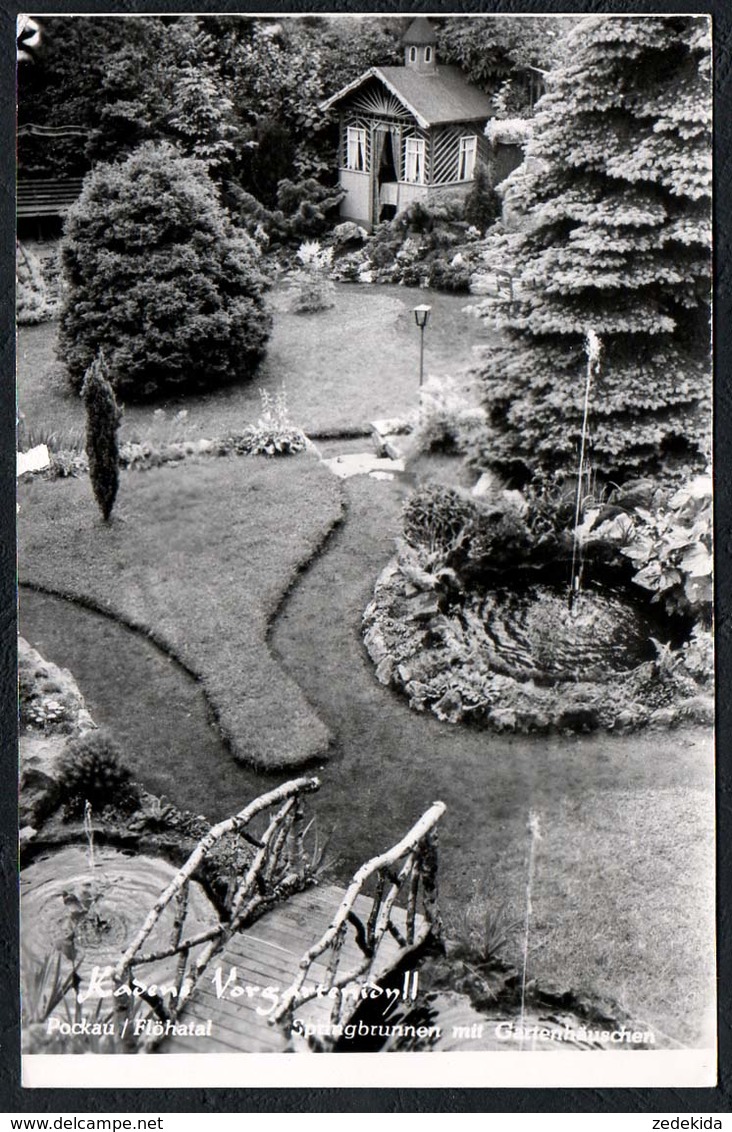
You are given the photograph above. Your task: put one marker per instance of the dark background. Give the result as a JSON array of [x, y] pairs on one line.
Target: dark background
[[90, 1101]]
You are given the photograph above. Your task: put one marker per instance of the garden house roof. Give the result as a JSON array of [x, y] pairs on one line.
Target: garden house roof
[[433, 99], [419, 32]]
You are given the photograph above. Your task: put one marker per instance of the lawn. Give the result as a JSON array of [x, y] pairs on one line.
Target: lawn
[[341, 368], [198, 558]]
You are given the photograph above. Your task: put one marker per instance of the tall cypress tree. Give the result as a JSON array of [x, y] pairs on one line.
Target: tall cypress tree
[[102, 422], [615, 238]]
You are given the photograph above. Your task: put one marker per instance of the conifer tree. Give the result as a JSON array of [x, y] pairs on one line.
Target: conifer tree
[[102, 422], [159, 277], [615, 238], [482, 205]]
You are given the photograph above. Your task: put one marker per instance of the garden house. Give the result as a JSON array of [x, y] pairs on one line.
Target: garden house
[[408, 133]]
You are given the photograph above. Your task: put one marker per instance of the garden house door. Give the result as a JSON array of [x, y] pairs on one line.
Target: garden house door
[[386, 149]]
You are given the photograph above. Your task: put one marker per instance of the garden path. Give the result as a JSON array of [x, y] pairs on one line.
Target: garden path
[[624, 876]]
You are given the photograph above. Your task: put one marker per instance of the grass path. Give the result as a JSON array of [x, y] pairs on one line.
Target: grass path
[[154, 708], [624, 884]]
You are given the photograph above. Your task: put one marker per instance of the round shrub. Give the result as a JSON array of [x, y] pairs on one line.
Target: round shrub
[[160, 279], [436, 517], [91, 770]]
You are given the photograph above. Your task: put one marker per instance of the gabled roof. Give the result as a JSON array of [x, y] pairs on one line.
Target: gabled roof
[[432, 98], [419, 32]]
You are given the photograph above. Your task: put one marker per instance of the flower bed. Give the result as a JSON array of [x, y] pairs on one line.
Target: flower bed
[[435, 248]]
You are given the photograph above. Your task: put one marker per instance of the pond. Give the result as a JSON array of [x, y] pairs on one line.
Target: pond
[[531, 634], [93, 902]]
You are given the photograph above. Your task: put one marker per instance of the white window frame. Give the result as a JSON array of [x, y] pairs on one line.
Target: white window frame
[[428, 54], [415, 156], [356, 149], [467, 155], [412, 54]]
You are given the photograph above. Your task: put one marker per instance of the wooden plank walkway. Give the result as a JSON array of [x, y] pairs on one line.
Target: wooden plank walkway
[[268, 955]]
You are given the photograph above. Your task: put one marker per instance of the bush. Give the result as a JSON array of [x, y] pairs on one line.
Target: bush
[[91, 770], [448, 416], [307, 205], [451, 275], [31, 295], [102, 446], [160, 279], [436, 518], [482, 204], [312, 285]]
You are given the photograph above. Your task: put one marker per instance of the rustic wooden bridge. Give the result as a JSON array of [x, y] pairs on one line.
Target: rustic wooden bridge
[[249, 983]]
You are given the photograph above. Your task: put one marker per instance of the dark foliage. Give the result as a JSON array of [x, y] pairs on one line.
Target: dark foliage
[[615, 238], [92, 770], [482, 204], [160, 279], [304, 210], [102, 447]]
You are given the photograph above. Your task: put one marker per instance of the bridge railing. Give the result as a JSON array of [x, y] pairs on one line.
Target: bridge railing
[[275, 866], [406, 872]]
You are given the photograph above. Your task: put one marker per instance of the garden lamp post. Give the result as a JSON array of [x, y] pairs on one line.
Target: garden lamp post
[[421, 317]]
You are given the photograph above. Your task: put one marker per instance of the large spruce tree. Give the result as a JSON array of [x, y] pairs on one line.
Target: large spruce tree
[[615, 238]]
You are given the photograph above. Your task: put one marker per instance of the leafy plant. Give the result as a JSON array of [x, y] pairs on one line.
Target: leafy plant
[[312, 286], [273, 434], [672, 550], [484, 933]]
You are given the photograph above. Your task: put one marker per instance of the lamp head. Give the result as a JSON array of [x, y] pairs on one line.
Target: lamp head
[[422, 314]]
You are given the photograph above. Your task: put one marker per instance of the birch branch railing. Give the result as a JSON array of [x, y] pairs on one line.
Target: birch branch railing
[[277, 869], [410, 866]]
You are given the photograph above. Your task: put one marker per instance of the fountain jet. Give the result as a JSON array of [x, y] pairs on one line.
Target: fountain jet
[[593, 349]]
